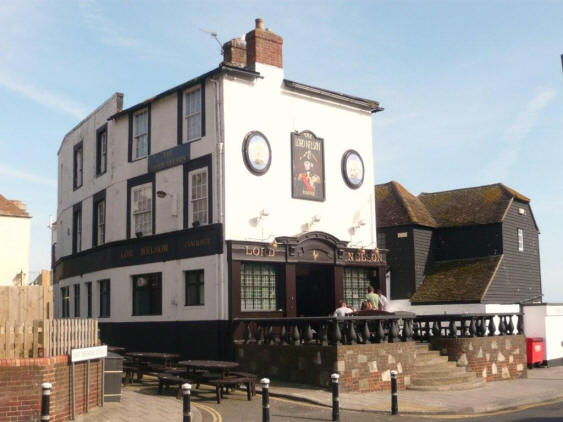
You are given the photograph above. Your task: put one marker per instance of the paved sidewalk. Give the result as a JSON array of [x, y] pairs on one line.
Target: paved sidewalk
[[142, 403], [542, 384]]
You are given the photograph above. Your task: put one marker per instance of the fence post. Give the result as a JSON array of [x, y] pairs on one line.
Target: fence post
[[265, 399], [45, 399], [335, 399], [186, 391], [394, 394]]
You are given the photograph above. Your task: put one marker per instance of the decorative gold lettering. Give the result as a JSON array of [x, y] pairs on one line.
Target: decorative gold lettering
[[247, 251], [256, 251], [128, 253], [271, 252]]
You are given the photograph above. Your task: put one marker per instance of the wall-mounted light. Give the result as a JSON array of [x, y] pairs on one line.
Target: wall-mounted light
[[315, 219], [161, 194], [173, 204], [358, 225]]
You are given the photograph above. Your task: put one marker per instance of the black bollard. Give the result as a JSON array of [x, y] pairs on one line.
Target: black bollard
[[265, 399], [45, 400], [186, 392], [335, 399], [394, 395]]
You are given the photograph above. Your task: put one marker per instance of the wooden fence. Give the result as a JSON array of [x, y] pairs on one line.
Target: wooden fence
[[46, 338], [27, 303]]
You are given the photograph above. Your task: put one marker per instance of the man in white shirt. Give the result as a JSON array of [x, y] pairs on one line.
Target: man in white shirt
[[384, 301], [342, 309]]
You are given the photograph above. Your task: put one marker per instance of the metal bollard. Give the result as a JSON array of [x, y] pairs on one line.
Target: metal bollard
[[394, 395], [265, 399], [45, 400], [186, 392], [335, 399]]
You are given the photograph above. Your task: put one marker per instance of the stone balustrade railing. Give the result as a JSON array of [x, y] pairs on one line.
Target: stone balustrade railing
[[427, 327], [327, 330], [391, 328]]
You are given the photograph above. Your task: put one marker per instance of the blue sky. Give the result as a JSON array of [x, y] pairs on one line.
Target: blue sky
[[472, 90]]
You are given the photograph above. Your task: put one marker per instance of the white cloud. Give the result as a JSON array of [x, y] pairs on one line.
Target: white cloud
[[19, 174], [515, 135], [53, 100]]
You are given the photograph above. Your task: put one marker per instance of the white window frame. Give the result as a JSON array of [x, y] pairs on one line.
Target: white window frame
[[136, 212], [103, 152], [520, 234], [137, 136], [196, 199], [79, 166], [78, 227], [101, 222], [193, 115]]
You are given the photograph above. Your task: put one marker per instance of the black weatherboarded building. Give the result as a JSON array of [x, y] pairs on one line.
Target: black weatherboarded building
[[471, 245]]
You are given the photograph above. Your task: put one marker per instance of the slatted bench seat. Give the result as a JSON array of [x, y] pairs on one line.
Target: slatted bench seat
[[248, 375], [165, 379], [231, 382]]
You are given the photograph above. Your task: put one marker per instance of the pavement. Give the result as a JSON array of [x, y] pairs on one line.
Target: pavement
[[141, 403]]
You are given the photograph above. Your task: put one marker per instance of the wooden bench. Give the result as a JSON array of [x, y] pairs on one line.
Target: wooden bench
[[165, 379], [231, 382], [248, 375]]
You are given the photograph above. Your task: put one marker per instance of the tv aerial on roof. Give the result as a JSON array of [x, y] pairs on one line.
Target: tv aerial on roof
[[213, 35]]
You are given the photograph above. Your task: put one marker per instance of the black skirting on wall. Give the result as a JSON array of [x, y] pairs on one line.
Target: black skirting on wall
[[190, 339]]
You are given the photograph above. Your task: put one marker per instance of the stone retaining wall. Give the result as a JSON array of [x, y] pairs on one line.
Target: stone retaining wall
[[20, 387], [362, 367], [493, 358]]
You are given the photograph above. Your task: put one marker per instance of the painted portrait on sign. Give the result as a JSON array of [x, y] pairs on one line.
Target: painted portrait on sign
[[307, 161]]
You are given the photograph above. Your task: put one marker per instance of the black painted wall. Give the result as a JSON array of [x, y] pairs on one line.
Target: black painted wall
[[401, 261], [424, 239], [468, 242], [519, 277]]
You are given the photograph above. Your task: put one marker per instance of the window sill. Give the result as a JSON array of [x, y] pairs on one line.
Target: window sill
[[138, 158], [101, 174], [145, 315], [187, 141], [195, 306]]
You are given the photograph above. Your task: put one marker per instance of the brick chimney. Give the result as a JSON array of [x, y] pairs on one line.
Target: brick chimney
[[234, 52], [263, 46]]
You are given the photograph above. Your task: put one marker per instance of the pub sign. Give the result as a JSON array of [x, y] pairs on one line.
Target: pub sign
[[307, 166]]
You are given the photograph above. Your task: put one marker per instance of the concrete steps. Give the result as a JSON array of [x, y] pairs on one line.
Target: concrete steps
[[434, 372]]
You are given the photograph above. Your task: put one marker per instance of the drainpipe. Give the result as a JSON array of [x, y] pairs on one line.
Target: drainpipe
[[219, 196]]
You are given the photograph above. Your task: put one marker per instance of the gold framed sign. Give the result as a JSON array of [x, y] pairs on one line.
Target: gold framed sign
[[307, 166]]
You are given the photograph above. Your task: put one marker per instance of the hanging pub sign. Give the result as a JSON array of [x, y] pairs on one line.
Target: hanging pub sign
[[307, 166], [353, 169]]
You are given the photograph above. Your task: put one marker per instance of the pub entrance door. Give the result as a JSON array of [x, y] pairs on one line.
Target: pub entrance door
[[314, 290]]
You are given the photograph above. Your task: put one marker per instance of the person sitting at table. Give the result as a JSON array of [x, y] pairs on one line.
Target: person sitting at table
[[342, 309]]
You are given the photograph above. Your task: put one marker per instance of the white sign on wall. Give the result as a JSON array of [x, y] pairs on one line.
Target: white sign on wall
[[88, 353]]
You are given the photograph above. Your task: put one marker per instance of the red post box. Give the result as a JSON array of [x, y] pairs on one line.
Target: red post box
[[534, 350]]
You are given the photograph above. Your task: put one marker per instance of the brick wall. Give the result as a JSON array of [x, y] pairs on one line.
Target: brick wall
[[20, 387], [362, 367], [263, 46], [493, 358]]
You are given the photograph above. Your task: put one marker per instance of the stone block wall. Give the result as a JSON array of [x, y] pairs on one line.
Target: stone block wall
[[20, 387], [493, 358], [362, 367]]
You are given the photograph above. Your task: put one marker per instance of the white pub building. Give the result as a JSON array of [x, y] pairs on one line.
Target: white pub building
[[237, 194]]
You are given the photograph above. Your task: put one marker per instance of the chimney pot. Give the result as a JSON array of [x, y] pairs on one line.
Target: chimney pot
[[259, 23]]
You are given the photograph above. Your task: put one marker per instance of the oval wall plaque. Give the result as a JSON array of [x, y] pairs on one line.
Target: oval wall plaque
[[257, 153], [353, 169]]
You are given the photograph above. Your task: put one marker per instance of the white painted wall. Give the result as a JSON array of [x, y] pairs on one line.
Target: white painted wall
[[462, 308], [546, 321], [275, 111], [14, 248]]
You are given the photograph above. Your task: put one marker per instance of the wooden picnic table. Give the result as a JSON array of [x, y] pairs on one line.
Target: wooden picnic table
[[219, 366], [146, 357]]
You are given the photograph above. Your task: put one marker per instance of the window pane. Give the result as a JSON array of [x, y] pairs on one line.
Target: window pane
[[193, 114], [147, 294], [198, 196], [258, 286], [356, 281]]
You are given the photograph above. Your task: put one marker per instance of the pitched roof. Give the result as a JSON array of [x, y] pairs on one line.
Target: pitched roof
[[463, 280], [470, 206], [395, 206], [10, 208]]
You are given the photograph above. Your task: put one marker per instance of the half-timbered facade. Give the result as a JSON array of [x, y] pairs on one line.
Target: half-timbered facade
[[237, 194]]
